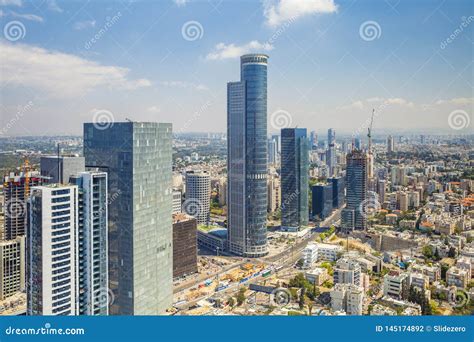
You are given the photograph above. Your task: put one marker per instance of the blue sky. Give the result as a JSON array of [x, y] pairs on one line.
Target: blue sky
[[325, 70]]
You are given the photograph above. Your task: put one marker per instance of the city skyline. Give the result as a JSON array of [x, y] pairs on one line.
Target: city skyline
[[332, 62]]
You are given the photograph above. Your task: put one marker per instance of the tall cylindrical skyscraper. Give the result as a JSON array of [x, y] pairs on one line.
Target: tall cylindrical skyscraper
[[198, 195], [247, 158]]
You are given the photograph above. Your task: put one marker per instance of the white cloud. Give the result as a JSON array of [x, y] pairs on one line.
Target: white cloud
[[223, 51], [82, 25], [32, 17], [180, 3], [59, 74], [183, 84], [461, 101], [10, 3], [53, 6], [277, 12]]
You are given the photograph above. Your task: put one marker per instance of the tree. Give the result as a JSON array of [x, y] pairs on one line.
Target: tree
[[231, 302], [427, 252], [452, 252], [241, 296], [301, 299], [300, 263], [436, 255]]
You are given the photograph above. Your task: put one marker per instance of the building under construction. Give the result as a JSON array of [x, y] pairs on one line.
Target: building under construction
[[16, 189]]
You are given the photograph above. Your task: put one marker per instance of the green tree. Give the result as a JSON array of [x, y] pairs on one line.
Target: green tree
[[231, 302], [241, 296]]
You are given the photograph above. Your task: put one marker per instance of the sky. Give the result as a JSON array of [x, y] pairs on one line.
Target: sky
[[331, 62]]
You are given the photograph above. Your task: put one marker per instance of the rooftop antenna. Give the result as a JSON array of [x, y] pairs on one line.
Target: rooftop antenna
[[128, 120]]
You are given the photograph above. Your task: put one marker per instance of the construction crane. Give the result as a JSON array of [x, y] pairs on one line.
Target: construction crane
[[369, 131]]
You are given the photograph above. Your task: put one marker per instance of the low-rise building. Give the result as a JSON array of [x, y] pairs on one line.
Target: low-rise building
[[317, 276], [457, 277], [396, 285], [347, 298]]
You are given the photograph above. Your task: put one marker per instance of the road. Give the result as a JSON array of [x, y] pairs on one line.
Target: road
[[285, 258]]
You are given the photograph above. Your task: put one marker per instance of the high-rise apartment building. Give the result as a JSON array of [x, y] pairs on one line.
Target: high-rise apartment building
[[52, 251], [198, 195], [12, 267], [353, 215], [137, 159], [247, 158], [294, 178], [94, 296]]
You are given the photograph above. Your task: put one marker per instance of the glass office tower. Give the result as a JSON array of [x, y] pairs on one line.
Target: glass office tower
[[247, 158], [294, 178], [352, 216], [137, 158]]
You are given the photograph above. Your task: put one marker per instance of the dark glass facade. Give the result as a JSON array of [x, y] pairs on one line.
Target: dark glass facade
[[247, 158], [356, 182], [294, 178], [322, 201], [338, 193]]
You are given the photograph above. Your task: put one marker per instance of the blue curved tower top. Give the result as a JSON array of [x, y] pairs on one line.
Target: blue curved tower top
[[247, 158]]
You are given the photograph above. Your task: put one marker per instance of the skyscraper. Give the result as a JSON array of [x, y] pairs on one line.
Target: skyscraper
[[331, 152], [137, 158], [272, 151], [52, 251], [338, 188], [390, 144], [294, 178], [352, 216], [322, 201], [94, 295], [313, 140], [198, 196], [247, 158]]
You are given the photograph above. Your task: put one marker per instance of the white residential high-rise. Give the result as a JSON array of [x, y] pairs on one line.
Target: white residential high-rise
[[52, 251], [94, 295]]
